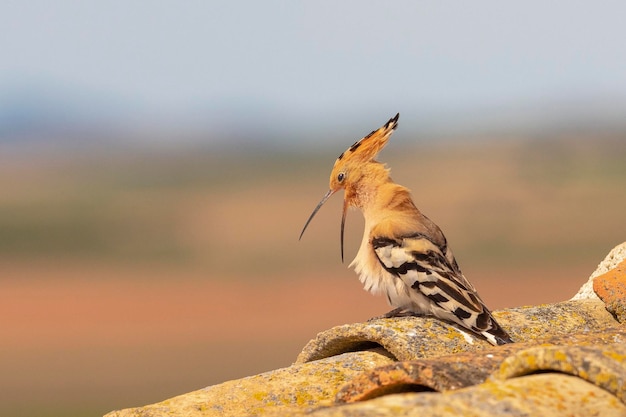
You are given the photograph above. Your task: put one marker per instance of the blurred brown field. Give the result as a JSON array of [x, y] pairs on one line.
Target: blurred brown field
[[128, 277]]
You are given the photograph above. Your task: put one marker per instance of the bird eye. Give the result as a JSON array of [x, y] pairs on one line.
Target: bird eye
[[341, 176]]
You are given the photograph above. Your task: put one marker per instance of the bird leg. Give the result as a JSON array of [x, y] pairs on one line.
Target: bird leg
[[398, 312]]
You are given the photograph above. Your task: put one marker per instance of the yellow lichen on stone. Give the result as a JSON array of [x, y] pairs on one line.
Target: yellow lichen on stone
[[560, 356], [603, 366], [300, 386], [615, 356], [542, 395]]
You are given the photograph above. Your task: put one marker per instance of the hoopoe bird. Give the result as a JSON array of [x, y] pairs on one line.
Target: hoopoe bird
[[403, 254]]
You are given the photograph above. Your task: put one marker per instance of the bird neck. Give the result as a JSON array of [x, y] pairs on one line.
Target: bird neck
[[378, 196]]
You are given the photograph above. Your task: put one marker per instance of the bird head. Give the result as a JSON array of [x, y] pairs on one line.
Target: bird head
[[350, 169]]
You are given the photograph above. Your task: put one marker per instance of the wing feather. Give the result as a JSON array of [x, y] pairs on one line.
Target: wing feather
[[430, 271]]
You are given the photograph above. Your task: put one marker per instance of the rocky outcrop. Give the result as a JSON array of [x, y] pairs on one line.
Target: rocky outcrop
[[569, 359]]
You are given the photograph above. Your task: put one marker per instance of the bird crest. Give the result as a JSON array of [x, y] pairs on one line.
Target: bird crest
[[368, 147]]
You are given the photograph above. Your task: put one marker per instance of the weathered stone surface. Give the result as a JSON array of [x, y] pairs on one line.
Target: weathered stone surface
[[615, 257], [436, 374], [611, 288], [601, 365], [405, 338], [549, 395], [411, 338], [452, 372], [301, 387]]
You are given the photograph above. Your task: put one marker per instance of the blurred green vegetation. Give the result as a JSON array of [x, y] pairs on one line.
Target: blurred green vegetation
[[511, 201], [118, 206]]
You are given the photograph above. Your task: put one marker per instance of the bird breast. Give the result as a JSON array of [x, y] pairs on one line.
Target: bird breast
[[376, 279]]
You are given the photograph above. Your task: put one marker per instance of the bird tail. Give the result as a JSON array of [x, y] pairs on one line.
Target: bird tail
[[495, 334]]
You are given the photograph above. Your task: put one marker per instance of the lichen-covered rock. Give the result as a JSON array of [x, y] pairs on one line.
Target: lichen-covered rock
[[405, 338], [411, 338], [601, 365], [452, 372], [614, 258], [548, 395], [611, 288], [300, 386]]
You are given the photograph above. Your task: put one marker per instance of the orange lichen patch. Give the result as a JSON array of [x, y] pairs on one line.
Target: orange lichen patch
[[611, 288]]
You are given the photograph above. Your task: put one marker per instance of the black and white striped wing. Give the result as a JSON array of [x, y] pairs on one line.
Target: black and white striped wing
[[424, 268]]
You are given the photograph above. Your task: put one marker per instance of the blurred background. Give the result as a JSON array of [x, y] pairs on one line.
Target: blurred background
[[158, 161]]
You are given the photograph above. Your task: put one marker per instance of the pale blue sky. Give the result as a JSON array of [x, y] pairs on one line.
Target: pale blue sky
[[315, 62]]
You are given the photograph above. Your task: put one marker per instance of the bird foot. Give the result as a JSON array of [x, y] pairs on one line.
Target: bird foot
[[397, 312]]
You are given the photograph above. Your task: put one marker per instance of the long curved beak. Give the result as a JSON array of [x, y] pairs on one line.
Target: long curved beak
[[319, 205], [343, 222]]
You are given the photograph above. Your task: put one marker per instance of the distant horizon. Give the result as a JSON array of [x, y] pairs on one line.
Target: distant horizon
[[268, 128], [34, 117]]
